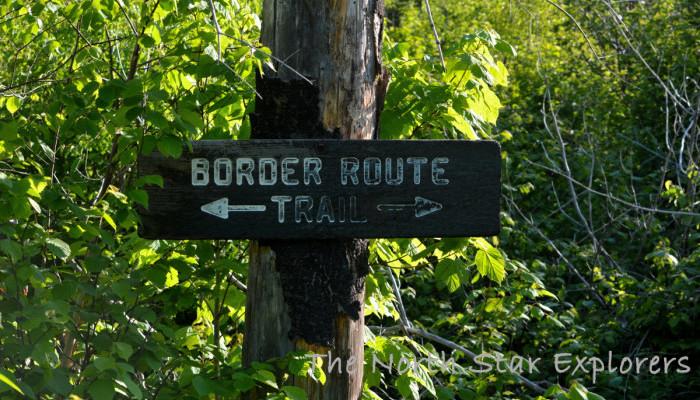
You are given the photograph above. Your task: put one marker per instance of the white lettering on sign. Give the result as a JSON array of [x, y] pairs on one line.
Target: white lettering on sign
[[268, 165], [281, 201], [312, 169], [287, 171], [372, 170], [267, 171], [325, 210], [223, 172], [398, 178], [438, 171], [264, 172], [302, 207], [348, 169], [416, 162], [244, 169], [200, 172]]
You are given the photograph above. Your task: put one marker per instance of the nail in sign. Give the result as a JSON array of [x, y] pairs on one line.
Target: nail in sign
[[285, 189]]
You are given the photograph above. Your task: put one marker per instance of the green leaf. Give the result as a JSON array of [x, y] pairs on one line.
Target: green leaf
[[171, 278], [594, 396], [203, 385], [104, 363], [132, 386], [395, 125], [461, 124], [186, 337], [408, 388], [578, 392], [170, 146], [156, 180], [505, 47], [489, 260], [448, 273], [58, 247], [36, 186], [147, 41], [11, 249], [108, 219], [243, 381], [59, 382], [96, 263], [266, 377], [102, 389], [294, 393], [4, 378], [153, 32], [484, 105], [34, 205], [491, 263], [139, 196], [8, 130], [124, 350], [12, 104]]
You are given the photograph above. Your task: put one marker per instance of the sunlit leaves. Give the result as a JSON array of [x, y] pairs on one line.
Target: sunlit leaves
[[12, 104], [425, 102], [5, 378], [449, 274], [489, 260]]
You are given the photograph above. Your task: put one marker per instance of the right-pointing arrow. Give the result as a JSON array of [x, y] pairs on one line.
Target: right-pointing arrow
[[421, 207]]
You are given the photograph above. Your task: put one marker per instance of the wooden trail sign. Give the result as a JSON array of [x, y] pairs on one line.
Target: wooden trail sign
[[322, 189]]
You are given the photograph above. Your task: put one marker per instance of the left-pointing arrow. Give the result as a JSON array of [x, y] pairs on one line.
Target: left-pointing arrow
[[220, 208]]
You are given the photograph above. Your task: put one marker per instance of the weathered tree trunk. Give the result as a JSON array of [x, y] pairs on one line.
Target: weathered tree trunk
[[308, 295]]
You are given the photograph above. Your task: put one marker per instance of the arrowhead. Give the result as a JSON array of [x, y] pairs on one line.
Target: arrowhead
[[426, 207], [217, 208]]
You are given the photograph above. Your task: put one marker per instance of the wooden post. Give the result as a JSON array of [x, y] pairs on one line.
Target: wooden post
[[308, 295]]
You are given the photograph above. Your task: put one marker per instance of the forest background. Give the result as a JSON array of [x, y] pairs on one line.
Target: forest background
[[596, 106]]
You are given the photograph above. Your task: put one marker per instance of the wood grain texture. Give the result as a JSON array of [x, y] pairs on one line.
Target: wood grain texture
[[336, 44], [266, 338], [469, 202]]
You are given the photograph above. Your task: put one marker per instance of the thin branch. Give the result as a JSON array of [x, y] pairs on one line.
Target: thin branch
[[597, 245], [683, 103], [568, 263], [128, 20], [279, 60], [435, 34], [578, 26], [237, 283], [616, 199], [217, 26], [410, 330], [107, 180], [402, 311], [219, 33], [454, 346]]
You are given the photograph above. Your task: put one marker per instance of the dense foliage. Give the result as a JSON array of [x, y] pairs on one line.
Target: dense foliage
[[597, 115], [600, 135]]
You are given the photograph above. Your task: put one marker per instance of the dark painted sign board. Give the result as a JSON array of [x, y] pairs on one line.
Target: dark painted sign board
[[301, 189]]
